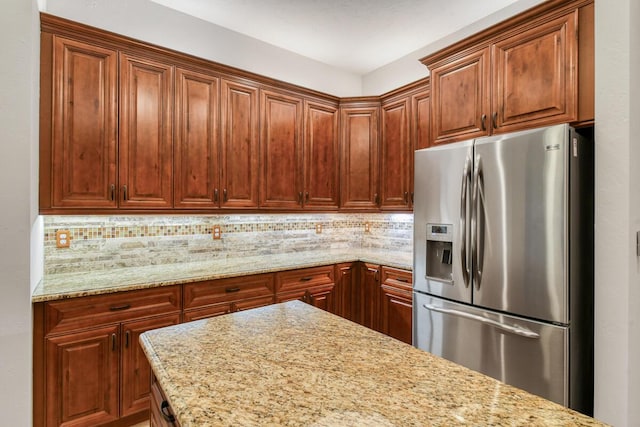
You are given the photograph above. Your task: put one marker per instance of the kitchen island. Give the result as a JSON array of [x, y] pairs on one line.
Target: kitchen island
[[293, 364]]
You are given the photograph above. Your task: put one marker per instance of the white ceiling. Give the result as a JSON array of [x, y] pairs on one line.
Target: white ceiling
[[354, 35]]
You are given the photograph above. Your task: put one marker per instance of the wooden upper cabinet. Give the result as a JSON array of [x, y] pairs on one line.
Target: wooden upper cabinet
[[196, 155], [84, 125], [534, 76], [321, 156], [420, 119], [460, 97], [396, 155], [281, 151], [240, 146], [359, 158], [146, 140]]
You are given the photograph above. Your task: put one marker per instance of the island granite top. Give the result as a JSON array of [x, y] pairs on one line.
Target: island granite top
[[295, 365], [70, 285]]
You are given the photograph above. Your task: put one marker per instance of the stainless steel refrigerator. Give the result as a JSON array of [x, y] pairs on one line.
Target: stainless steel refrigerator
[[503, 259]]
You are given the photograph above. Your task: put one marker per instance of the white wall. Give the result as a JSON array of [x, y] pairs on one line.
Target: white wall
[[19, 41], [151, 22], [617, 269]]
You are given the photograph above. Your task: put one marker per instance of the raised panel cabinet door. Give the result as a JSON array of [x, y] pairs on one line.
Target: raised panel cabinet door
[[84, 125], [146, 139], [421, 119], [281, 151], [81, 371], [359, 158], [323, 298], [321, 156], [369, 293], [460, 98], [345, 305], [396, 313], [136, 373], [535, 76], [395, 167], [196, 155], [239, 146]]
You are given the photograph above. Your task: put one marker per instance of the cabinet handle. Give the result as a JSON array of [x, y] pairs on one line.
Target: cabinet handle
[[412, 199], [164, 408], [224, 195], [300, 198], [376, 198], [402, 279], [494, 119], [119, 307], [124, 192], [230, 290], [126, 339], [483, 119], [113, 342], [306, 196], [113, 192], [406, 197], [215, 195], [306, 278]]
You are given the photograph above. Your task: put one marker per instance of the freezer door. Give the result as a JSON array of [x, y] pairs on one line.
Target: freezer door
[[526, 354], [520, 223], [440, 177]]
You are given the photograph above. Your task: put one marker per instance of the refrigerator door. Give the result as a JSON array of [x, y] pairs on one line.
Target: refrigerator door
[[442, 191], [520, 223], [526, 354]]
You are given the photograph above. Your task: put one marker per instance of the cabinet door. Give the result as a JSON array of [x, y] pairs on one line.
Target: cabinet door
[[369, 285], [196, 155], [420, 120], [345, 299], [84, 114], [396, 313], [534, 77], [136, 372], [321, 156], [322, 297], [240, 145], [281, 151], [359, 167], [396, 150], [460, 98], [82, 377], [146, 157]]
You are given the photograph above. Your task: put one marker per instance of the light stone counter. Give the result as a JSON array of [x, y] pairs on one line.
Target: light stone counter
[[294, 365], [69, 285]]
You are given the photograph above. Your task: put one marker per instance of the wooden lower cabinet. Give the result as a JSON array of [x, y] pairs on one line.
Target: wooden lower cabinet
[[396, 304], [368, 284], [315, 285], [160, 411]]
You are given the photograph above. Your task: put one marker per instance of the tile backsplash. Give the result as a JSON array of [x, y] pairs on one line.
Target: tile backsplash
[[105, 242]]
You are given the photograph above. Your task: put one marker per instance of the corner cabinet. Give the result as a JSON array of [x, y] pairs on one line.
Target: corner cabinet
[[520, 74], [396, 303]]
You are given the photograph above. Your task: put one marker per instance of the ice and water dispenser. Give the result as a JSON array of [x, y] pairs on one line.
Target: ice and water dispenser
[[439, 252]]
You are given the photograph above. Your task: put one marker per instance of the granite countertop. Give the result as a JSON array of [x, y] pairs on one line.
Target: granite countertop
[[69, 285], [293, 364]]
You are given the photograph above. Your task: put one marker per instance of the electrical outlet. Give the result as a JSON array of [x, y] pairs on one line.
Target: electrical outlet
[[63, 239], [367, 227], [217, 234]]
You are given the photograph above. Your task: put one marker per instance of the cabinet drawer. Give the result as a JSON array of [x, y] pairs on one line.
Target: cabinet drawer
[[304, 278], [92, 311], [227, 290], [226, 308], [394, 277]]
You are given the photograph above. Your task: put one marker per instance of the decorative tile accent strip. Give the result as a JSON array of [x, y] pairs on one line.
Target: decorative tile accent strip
[[104, 242]]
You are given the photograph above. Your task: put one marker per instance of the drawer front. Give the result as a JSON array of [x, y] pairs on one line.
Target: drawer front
[[396, 278], [304, 278], [210, 292], [226, 308], [92, 311]]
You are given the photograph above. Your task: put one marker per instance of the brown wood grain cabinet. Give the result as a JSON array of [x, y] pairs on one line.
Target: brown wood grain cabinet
[[161, 414], [396, 155], [197, 140], [359, 156], [82, 136], [146, 133], [396, 303], [421, 118], [345, 283], [321, 155], [93, 369], [369, 283], [280, 151], [240, 145], [519, 74], [314, 285]]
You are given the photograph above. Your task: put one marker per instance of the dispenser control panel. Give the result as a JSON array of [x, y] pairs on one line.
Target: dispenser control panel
[[440, 232]]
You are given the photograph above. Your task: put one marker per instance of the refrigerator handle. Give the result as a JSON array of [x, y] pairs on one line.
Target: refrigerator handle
[[517, 330], [464, 192], [476, 223]]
